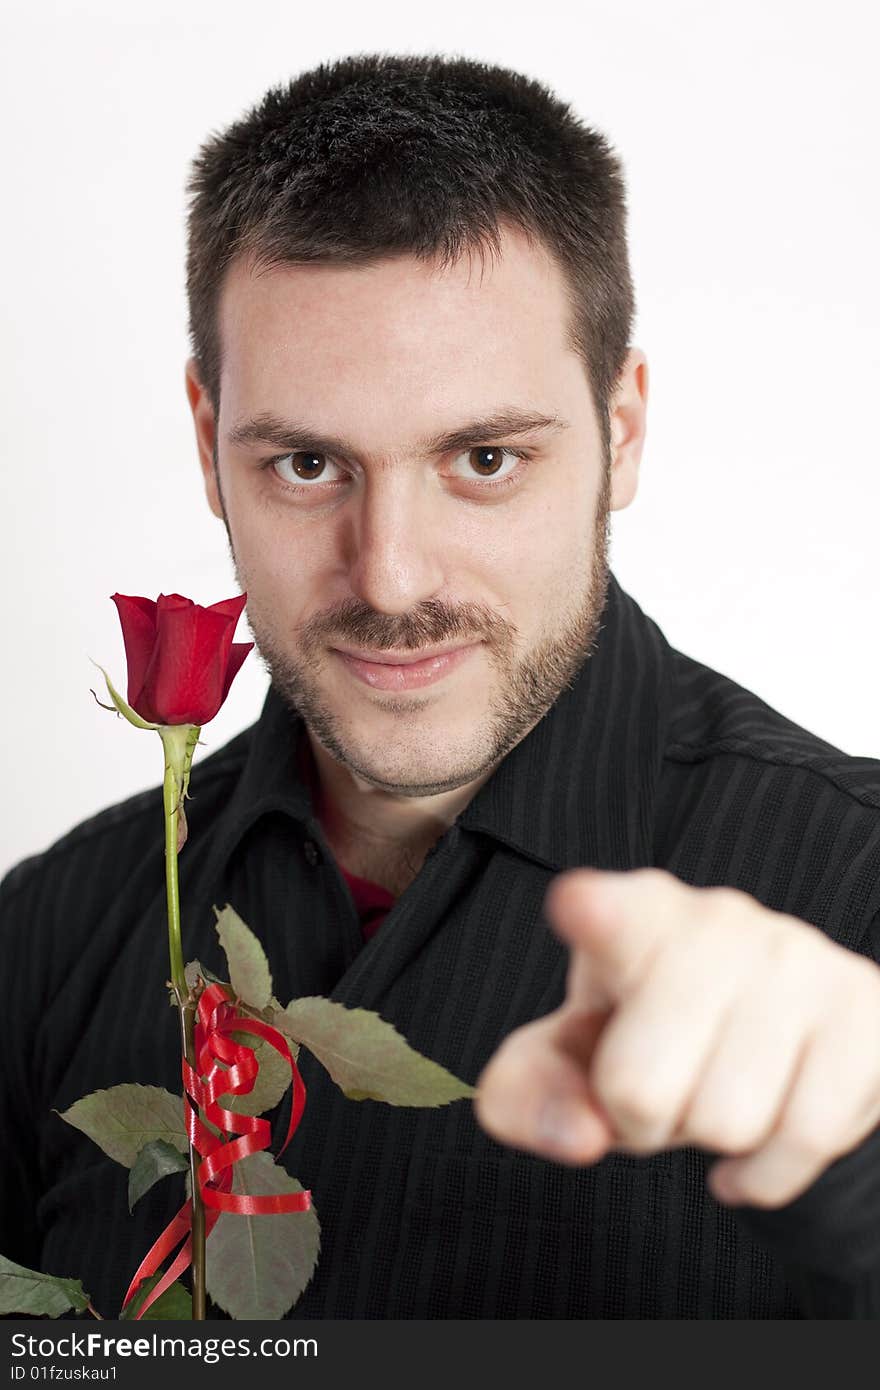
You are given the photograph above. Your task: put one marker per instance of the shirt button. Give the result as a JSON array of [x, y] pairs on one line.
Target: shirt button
[[312, 853]]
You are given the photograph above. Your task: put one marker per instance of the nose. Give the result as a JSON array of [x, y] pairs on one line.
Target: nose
[[394, 544]]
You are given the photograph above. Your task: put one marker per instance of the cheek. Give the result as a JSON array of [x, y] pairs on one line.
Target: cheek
[[534, 569], [285, 561], [275, 554], [546, 554]]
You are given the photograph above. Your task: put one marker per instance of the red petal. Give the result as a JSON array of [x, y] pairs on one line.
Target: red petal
[[237, 654], [230, 607], [185, 680], [138, 619], [234, 607], [173, 601]]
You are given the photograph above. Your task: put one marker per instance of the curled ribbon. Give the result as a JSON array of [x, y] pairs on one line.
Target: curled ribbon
[[227, 1068]]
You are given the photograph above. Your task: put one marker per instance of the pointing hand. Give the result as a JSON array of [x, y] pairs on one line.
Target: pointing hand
[[693, 1016]]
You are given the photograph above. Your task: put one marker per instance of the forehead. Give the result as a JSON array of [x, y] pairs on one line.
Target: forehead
[[482, 309]]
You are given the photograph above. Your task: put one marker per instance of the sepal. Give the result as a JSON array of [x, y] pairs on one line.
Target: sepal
[[122, 706]]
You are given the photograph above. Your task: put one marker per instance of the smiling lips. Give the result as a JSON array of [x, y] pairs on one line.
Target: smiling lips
[[404, 670]]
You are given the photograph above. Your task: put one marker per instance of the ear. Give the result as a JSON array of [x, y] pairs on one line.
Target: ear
[[628, 421], [203, 417]]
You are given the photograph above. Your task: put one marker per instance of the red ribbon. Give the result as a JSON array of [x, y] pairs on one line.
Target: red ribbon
[[227, 1067]]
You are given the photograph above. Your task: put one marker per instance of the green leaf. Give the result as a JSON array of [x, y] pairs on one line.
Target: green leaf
[[248, 967], [257, 1266], [155, 1160], [174, 1305], [28, 1291], [367, 1057], [124, 1118], [272, 1081]]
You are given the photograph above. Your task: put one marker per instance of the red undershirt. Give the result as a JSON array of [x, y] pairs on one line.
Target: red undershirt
[[373, 902]]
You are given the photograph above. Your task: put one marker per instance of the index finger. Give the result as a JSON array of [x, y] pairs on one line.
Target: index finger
[[615, 923]]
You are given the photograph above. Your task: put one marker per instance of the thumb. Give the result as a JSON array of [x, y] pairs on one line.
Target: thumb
[[535, 1092]]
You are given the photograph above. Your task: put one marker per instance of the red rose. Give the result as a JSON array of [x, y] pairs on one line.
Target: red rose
[[181, 657]]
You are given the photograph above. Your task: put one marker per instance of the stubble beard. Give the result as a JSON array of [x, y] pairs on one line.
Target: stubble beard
[[526, 686]]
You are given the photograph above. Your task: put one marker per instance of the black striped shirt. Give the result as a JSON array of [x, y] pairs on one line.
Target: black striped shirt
[[649, 758]]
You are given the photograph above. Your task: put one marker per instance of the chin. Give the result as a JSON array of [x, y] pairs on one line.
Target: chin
[[417, 775], [425, 784]]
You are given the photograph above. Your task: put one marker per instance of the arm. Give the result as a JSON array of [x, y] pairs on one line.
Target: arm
[[19, 1189]]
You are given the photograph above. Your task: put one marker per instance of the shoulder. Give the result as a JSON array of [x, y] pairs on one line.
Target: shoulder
[[713, 716], [751, 798], [105, 845]]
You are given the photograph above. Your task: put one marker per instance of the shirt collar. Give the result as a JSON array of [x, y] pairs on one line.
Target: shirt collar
[[578, 789]]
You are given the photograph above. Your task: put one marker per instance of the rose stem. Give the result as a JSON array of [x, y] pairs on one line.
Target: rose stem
[[172, 795]]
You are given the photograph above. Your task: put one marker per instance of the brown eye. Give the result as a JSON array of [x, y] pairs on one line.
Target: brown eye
[[304, 466], [494, 462], [487, 460]]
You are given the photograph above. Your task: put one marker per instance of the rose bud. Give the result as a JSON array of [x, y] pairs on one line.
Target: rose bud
[[181, 657]]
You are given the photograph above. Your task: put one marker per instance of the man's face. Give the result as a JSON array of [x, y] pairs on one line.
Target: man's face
[[370, 532]]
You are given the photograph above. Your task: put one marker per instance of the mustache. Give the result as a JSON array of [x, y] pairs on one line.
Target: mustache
[[431, 624]]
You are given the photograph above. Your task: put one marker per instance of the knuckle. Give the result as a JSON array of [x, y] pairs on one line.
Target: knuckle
[[633, 1106], [729, 1134], [719, 911], [807, 1135], [657, 881], [653, 875], [788, 955], [865, 975], [730, 906], [722, 895]]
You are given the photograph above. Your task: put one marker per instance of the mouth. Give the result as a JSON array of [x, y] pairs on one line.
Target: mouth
[[404, 670]]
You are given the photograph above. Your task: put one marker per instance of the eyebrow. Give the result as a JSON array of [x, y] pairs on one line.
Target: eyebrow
[[292, 435]]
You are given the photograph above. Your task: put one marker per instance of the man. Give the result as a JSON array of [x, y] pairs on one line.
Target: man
[[416, 405]]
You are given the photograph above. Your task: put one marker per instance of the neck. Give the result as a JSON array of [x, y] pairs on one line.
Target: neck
[[373, 832]]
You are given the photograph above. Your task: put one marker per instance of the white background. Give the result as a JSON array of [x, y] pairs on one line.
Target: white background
[[748, 133]]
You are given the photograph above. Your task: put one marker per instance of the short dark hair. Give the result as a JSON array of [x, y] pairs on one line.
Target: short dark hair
[[379, 154]]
